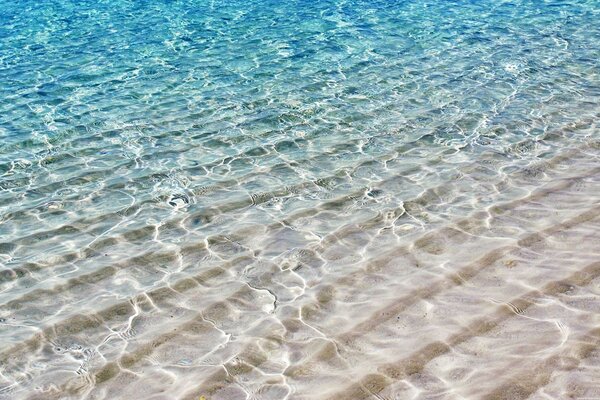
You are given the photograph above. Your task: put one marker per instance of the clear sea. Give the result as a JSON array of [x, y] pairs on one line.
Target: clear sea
[[269, 200]]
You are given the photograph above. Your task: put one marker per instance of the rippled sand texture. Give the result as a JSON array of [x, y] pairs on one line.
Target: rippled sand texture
[[299, 200]]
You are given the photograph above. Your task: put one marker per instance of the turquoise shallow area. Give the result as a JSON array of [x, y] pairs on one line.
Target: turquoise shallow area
[[288, 143], [160, 98], [197, 73]]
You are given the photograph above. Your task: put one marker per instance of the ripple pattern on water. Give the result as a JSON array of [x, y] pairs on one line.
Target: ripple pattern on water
[[299, 200]]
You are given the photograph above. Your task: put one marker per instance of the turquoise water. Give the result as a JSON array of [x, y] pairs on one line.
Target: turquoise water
[[272, 200]]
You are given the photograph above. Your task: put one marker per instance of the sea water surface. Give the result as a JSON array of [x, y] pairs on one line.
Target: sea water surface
[[299, 199]]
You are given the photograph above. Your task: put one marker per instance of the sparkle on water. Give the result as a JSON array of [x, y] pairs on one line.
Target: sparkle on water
[[299, 199]]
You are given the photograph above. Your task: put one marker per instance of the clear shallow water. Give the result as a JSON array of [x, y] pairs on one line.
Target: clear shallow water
[[301, 200]]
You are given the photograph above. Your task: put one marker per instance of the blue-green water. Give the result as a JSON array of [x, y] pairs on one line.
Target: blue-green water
[[274, 200]]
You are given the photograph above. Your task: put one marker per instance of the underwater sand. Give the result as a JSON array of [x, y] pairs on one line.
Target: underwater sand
[[298, 200]]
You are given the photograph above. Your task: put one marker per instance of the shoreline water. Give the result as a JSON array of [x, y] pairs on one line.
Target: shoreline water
[[334, 200]]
